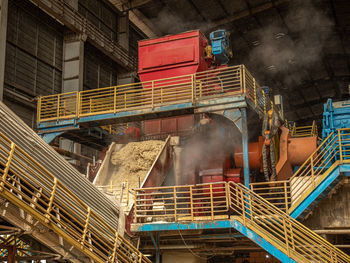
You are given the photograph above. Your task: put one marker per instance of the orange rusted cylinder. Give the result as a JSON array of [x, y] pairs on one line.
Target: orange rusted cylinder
[[255, 155], [299, 149]]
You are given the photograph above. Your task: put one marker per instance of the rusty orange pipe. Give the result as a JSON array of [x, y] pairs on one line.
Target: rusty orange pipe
[[255, 155]]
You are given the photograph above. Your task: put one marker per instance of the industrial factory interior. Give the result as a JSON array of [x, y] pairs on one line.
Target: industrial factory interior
[[175, 131]]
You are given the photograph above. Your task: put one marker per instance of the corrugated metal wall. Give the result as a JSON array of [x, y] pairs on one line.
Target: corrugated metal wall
[[101, 14], [134, 36], [34, 54], [99, 70], [33, 58]]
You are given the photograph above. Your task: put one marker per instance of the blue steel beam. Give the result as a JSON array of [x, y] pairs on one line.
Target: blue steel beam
[[222, 224], [49, 137], [147, 113], [245, 147]]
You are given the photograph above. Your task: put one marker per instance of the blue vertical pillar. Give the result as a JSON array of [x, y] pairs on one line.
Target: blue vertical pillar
[[245, 147]]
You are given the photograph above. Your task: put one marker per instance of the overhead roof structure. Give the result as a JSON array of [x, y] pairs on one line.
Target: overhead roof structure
[[299, 48]]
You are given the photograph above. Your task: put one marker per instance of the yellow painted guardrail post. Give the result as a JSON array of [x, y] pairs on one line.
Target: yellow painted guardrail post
[[125, 100], [135, 207], [240, 79], [86, 226], [285, 195], [191, 200], [227, 197], [174, 193], [52, 197], [77, 106], [244, 82], [211, 202], [58, 106], [194, 88], [115, 99], [340, 147], [38, 116], [7, 166]]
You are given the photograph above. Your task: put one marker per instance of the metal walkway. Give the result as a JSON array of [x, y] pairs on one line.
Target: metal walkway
[[255, 213], [208, 91], [49, 194], [230, 205]]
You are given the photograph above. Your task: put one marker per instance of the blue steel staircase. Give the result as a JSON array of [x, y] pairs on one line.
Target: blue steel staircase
[[320, 173]]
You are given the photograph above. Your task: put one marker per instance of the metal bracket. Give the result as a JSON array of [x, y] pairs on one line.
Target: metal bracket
[[49, 137], [233, 115]]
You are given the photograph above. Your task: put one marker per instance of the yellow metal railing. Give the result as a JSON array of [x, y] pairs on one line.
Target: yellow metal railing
[[230, 200], [334, 150], [206, 201], [28, 185], [223, 82], [304, 131]]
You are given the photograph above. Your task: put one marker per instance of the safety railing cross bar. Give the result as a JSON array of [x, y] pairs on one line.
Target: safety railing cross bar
[[288, 194], [212, 84], [58, 208], [234, 202]]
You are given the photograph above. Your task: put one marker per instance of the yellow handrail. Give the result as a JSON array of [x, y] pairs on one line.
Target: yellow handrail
[[22, 178], [334, 150], [229, 200], [304, 131], [223, 82]]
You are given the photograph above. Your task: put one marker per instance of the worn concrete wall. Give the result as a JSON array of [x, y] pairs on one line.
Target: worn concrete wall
[[334, 210]]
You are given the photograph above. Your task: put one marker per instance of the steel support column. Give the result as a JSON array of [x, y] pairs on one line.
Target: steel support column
[[3, 32], [11, 254], [245, 146], [156, 245]]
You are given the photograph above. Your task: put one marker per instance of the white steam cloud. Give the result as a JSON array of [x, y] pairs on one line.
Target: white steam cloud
[[282, 52]]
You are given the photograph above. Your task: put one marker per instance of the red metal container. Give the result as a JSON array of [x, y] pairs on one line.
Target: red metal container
[[172, 56]]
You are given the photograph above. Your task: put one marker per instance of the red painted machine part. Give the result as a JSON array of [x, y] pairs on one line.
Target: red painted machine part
[[173, 125], [172, 56], [234, 175], [299, 149], [255, 154], [133, 133], [293, 152]]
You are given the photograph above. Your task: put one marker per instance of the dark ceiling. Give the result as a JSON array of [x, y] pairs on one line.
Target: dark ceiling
[[299, 48]]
